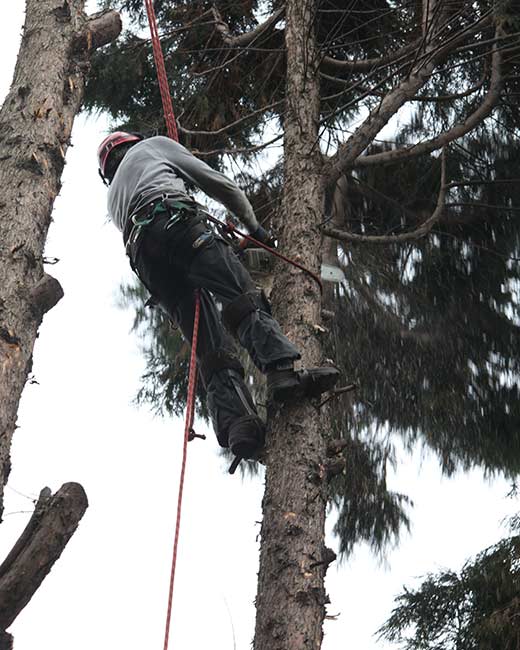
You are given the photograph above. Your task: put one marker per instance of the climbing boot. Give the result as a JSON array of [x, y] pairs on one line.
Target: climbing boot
[[246, 436], [288, 385]]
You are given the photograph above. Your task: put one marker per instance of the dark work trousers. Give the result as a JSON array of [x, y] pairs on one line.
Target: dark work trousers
[[171, 270]]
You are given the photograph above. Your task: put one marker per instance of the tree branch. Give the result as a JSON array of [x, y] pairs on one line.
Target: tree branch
[[101, 28], [335, 66], [448, 98], [417, 98], [236, 152], [243, 40], [380, 197], [488, 104], [419, 232], [46, 294], [226, 128], [52, 524], [349, 154]]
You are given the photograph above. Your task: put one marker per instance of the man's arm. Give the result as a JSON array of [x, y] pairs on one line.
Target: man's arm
[[213, 183]]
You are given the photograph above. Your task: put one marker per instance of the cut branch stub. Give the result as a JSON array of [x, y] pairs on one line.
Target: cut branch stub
[[46, 294], [6, 641], [335, 447], [52, 524], [101, 29]]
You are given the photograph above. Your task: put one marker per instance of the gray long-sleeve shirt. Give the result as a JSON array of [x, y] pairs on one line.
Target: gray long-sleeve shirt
[[158, 166]]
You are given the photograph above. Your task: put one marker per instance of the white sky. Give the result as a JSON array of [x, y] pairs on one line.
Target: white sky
[[78, 424]]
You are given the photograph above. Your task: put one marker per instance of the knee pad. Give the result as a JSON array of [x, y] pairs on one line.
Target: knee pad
[[219, 360], [239, 308]]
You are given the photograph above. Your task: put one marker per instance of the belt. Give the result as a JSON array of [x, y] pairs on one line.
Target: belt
[[178, 210]]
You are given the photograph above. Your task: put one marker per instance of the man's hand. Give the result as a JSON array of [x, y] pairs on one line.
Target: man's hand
[[264, 236]]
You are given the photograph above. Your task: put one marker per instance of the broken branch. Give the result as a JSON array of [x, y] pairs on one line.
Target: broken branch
[[46, 294], [472, 121], [101, 28], [243, 40], [52, 524]]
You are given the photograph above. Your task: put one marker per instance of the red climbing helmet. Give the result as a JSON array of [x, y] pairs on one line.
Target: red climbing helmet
[[110, 142]]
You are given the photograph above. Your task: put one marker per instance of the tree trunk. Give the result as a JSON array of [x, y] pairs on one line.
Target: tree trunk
[[35, 126], [293, 559]]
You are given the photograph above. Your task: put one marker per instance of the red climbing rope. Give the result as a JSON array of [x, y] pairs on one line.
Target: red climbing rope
[[190, 408], [169, 116], [232, 228], [192, 379]]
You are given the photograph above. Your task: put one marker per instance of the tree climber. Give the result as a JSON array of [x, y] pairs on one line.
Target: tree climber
[[173, 251]]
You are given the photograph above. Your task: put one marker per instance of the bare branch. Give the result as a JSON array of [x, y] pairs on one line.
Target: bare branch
[[447, 98], [382, 198], [52, 524], [335, 66], [417, 98], [472, 121], [243, 40], [349, 154], [506, 181], [419, 232], [100, 29], [46, 294], [378, 118], [226, 128]]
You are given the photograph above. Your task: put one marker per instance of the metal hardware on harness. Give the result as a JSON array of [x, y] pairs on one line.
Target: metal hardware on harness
[[203, 239], [147, 214]]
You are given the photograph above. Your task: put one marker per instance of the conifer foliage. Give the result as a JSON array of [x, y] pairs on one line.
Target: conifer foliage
[[423, 217], [478, 607], [431, 338]]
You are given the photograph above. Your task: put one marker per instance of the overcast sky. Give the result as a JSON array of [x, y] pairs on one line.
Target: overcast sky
[[78, 423]]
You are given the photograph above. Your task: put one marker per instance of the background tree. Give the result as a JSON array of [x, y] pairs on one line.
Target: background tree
[[475, 608], [425, 226], [35, 126]]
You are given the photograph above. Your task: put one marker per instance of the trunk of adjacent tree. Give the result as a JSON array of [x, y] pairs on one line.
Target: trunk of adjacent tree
[[293, 559], [35, 126]]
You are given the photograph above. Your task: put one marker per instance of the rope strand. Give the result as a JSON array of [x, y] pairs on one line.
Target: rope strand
[[190, 409], [171, 127], [169, 115]]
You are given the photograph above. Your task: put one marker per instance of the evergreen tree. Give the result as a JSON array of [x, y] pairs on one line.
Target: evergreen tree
[[425, 226], [477, 608]]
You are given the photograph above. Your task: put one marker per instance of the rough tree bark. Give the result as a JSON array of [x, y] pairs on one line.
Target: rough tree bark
[[293, 556], [52, 524], [35, 127]]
